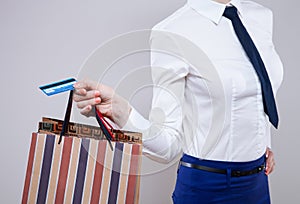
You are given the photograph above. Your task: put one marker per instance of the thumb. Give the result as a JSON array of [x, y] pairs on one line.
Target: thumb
[[86, 84]]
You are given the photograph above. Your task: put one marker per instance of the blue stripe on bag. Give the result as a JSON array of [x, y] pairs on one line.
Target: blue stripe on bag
[[81, 170], [115, 175], [46, 167]]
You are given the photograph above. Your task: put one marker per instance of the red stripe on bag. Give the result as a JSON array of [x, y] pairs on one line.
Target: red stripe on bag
[[63, 171], [131, 186], [29, 168], [98, 173]]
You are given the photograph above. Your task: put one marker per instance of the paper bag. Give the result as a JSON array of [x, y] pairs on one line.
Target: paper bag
[[82, 169]]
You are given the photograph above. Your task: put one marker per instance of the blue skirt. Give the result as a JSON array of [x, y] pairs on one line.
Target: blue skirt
[[201, 187]]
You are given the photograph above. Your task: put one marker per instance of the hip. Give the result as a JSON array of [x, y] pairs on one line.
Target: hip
[[202, 186]]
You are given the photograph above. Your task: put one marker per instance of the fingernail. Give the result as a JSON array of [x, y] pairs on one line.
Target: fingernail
[[97, 100], [97, 93]]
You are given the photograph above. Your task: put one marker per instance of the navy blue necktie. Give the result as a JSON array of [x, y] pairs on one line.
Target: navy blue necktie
[[256, 61]]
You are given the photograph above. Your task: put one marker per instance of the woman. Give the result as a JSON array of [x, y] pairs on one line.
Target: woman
[[235, 168]]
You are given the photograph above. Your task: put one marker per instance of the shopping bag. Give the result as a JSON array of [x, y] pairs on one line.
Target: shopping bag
[[82, 168]]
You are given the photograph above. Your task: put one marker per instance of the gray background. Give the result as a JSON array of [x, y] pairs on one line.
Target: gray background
[[42, 41]]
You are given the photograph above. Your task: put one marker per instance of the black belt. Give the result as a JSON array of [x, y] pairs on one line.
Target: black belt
[[234, 173]]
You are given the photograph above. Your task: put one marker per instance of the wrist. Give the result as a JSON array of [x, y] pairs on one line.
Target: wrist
[[121, 110]]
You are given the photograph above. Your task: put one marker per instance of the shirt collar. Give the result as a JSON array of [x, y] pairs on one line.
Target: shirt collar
[[212, 9]]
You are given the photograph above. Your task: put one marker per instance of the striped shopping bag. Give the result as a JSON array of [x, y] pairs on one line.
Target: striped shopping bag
[[81, 170]]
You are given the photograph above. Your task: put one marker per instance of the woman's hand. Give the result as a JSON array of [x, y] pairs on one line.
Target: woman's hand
[[89, 93], [270, 162]]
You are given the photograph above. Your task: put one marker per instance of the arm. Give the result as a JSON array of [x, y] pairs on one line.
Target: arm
[[163, 131], [270, 160]]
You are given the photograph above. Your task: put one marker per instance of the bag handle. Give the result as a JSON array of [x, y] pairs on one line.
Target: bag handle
[[104, 125]]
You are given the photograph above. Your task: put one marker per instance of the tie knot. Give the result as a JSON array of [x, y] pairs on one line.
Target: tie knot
[[230, 12]]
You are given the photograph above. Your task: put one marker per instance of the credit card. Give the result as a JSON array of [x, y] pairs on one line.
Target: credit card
[[58, 87]]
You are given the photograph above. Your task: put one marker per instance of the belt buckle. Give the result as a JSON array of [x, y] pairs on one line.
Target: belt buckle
[[236, 173]]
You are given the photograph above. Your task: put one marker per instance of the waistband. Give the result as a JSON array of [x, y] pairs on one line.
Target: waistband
[[224, 164]]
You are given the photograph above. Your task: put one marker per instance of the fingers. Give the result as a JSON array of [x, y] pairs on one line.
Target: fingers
[[87, 105], [85, 97], [88, 94], [86, 110], [82, 94], [270, 162], [89, 102]]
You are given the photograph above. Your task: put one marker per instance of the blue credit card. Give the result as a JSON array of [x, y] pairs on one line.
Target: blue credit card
[[58, 87]]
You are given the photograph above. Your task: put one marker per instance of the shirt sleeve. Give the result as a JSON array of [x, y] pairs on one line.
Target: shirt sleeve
[[276, 66], [162, 132], [268, 133]]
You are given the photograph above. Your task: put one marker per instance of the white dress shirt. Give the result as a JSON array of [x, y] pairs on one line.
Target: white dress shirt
[[172, 127]]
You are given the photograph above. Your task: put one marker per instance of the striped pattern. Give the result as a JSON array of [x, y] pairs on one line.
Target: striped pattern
[[81, 170]]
